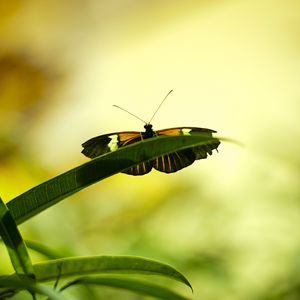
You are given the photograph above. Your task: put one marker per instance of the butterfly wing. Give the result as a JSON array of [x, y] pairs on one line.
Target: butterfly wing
[[173, 162], [109, 142], [140, 169], [178, 160], [102, 144]]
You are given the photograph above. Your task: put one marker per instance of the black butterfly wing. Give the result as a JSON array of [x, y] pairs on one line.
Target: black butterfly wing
[[178, 160], [201, 152], [173, 162], [102, 144], [140, 169]]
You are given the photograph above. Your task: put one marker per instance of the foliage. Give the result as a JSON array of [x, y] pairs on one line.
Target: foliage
[[114, 271]]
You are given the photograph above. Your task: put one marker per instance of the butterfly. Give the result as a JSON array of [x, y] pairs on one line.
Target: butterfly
[[168, 163]]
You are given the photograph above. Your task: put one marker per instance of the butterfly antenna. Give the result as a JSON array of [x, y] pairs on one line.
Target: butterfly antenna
[[130, 113], [160, 106]]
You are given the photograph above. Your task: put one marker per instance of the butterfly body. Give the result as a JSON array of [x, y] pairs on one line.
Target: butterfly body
[[168, 163]]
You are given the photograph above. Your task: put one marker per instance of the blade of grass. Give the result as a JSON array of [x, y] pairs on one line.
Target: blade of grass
[[54, 190], [74, 266], [44, 250], [14, 285], [14, 243], [134, 285]]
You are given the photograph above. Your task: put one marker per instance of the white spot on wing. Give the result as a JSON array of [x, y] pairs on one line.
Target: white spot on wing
[[113, 144], [186, 131]]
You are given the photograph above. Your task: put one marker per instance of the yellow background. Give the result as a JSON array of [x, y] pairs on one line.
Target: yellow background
[[229, 223]]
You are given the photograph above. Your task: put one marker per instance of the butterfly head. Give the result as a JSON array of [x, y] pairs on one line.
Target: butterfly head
[[148, 131], [148, 127]]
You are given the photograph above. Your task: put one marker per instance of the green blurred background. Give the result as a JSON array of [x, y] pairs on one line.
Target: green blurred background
[[229, 223]]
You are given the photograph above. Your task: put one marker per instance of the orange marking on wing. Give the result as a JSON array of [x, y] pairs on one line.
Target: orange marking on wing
[[169, 162], [130, 135], [163, 163], [156, 161], [170, 131]]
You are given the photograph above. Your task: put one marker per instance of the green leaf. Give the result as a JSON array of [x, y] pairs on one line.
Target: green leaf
[[14, 243], [14, 285], [44, 250], [54, 190], [67, 267], [134, 285]]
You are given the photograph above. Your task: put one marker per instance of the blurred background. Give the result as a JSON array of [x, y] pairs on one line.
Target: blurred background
[[229, 223]]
